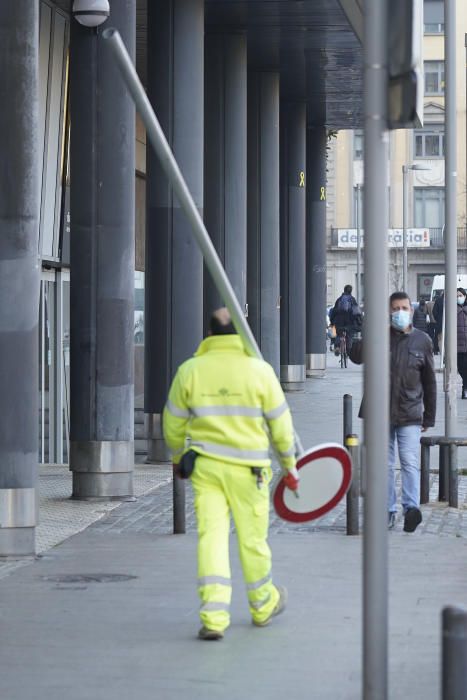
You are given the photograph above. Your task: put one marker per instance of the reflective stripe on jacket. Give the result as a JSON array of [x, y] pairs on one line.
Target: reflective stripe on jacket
[[220, 402]]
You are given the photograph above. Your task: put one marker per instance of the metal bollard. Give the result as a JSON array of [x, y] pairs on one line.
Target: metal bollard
[[454, 654], [347, 417], [178, 505], [424, 473], [453, 476], [443, 472], [352, 444]]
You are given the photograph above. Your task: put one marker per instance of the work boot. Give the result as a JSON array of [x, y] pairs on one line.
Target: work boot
[[280, 607], [210, 635], [412, 519], [391, 520]]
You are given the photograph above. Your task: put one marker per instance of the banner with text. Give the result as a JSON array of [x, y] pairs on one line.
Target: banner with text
[[416, 237]]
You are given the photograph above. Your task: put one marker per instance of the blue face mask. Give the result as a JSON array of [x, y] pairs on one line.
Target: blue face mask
[[460, 300], [400, 320]]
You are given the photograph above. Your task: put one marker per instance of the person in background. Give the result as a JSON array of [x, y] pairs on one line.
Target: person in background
[[412, 405], [462, 338], [432, 327], [346, 316], [438, 310], [420, 317]]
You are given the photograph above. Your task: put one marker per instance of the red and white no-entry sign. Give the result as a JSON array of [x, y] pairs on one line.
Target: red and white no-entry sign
[[325, 476]]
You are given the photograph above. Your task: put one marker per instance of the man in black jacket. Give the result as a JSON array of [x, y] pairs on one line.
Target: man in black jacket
[[412, 405]]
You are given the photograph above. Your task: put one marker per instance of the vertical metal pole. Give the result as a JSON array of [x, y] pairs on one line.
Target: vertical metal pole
[[454, 653], [179, 518], [453, 476], [359, 242], [405, 208], [347, 417], [376, 356], [450, 239], [352, 499], [443, 487], [425, 474]]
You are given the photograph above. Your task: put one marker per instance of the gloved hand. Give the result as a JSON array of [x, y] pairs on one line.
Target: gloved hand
[[291, 479]]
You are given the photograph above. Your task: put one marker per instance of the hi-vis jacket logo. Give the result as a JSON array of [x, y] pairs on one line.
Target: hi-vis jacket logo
[[224, 392]]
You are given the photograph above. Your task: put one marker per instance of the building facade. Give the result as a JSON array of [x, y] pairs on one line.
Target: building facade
[[422, 152]]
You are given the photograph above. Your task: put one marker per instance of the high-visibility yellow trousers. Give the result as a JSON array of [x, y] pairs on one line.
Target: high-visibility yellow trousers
[[221, 488]]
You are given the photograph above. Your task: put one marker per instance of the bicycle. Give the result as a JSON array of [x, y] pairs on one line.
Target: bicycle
[[343, 349]]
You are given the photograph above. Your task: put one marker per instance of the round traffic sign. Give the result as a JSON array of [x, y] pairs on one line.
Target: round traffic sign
[[325, 476]]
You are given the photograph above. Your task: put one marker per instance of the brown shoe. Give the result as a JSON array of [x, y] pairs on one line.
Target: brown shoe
[[210, 635], [280, 607]]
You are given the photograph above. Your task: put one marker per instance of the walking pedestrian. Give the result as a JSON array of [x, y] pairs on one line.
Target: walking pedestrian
[[412, 405], [420, 317], [462, 338], [214, 423]]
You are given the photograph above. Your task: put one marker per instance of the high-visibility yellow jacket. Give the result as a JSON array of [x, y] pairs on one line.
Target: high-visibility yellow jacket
[[220, 402]]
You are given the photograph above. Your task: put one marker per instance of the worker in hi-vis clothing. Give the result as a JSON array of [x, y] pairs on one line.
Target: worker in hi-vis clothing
[[219, 405]]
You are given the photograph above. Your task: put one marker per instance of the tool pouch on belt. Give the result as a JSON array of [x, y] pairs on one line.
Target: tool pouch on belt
[[187, 464]]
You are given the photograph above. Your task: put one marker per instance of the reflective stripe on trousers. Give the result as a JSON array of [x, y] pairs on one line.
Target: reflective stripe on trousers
[[221, 487]]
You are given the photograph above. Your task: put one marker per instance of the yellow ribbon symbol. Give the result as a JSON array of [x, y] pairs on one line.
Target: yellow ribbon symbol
[[322, 195], [302, 179]]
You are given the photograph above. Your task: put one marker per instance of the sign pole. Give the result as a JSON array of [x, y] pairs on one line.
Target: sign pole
[[376, 355]]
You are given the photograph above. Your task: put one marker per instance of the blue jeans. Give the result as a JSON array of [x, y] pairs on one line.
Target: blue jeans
[[408, 442]]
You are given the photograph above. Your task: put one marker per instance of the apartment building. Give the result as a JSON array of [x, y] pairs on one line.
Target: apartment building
[[418, 152]]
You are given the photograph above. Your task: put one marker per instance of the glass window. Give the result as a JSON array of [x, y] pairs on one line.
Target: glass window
[[429, 143], [434, 77], [358, 144], [429, 207], [433, 16]]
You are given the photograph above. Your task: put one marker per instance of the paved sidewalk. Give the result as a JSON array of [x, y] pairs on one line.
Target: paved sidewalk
[[112, 612]]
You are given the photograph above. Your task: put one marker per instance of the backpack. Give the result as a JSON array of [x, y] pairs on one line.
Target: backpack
[[344, 303]]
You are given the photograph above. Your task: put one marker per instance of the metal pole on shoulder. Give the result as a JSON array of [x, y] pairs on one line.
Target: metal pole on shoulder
[[169, 165], [376, 356]]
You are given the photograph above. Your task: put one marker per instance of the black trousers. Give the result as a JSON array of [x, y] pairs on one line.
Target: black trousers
[[462, 368]]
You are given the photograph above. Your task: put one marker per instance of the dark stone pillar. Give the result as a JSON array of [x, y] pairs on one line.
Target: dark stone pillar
[[263, 214], [316, 251], [19, 278], [292, 215], [174, 266], [225, 160], [102, 168]]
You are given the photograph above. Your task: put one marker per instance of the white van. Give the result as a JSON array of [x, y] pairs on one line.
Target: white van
[[438, 285]]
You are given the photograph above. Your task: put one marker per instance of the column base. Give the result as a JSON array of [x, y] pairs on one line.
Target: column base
[[293, 377], [102, 469], [17, 541], [157, 449], [315, 364], [102, 486]]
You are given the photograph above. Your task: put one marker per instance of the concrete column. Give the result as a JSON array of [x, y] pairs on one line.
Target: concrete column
[[174, 266], [316, 251], [102, 163], [292, 240], [19, 276], [263, 214], [225, 160]]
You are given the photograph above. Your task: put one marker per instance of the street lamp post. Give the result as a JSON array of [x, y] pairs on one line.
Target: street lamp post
[[358, 189], [405, 210]]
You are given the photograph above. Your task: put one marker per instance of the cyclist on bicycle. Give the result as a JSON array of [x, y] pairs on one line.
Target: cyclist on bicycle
[[346, 316]]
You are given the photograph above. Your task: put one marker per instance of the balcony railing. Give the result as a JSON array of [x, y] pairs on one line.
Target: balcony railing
[[436, 238]]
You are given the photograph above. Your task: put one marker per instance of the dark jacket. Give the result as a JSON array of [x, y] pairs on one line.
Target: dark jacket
[[351, 319], [412, 380], [419, 318], [438, 310], [462, 329]]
